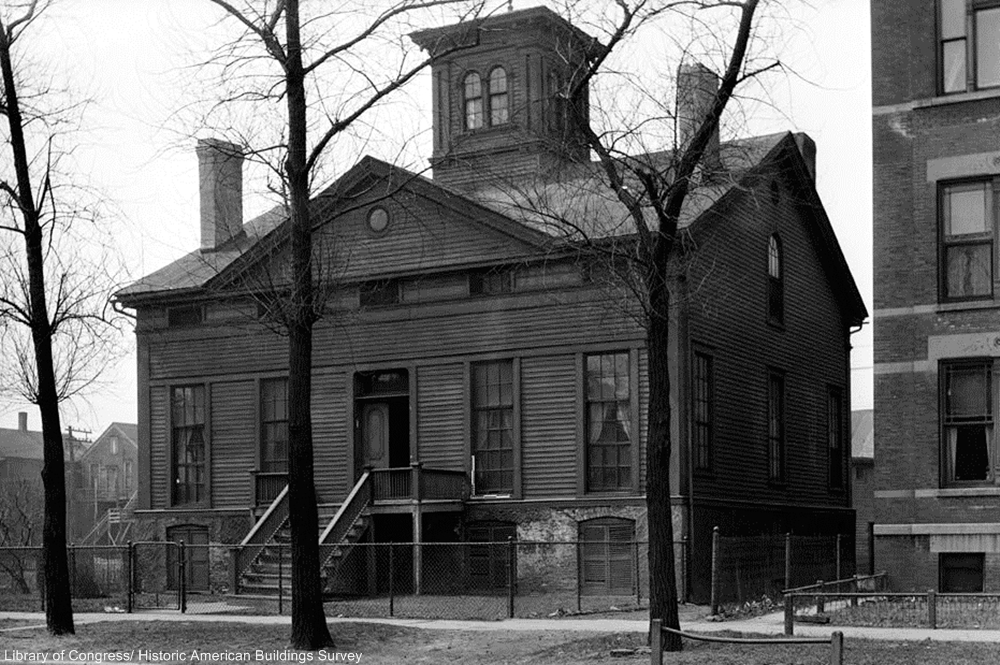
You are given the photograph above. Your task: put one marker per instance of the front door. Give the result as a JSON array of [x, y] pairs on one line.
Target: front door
[[375, 434]]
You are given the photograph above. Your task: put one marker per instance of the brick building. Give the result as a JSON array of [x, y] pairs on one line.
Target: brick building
[[936, 128]]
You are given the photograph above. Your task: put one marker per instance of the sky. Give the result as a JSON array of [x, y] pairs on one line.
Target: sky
[[133, 61]]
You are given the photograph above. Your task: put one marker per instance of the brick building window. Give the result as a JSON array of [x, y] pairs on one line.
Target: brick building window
[[967, 436], [960, 572], [274, 425], [701, 410], [187, 422], [968, 35], [473, 97], [775, 281], [967, 239], [499, 99], [493, 427], [775, 427], [609, 422]]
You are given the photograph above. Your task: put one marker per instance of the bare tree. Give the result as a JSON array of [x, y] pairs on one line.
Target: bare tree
[[53, 327], [20, 506], [624, 211], [313, 126]]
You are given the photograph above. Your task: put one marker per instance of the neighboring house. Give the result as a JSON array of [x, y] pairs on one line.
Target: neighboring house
[[109, 480], [862, 476], [485, 368], [936, 128], [20, 452]]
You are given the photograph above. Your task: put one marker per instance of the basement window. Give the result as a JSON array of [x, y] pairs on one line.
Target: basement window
[[960, 572]]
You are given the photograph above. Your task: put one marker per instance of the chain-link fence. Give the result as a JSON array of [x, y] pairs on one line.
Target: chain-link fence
[[755, 569], [480, 580]]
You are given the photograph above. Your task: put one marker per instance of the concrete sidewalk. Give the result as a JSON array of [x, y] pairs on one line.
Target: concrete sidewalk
[[771, 624]]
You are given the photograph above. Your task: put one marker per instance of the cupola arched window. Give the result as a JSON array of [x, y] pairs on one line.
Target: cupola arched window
[[499, 99], [775, 281], [473, 101]]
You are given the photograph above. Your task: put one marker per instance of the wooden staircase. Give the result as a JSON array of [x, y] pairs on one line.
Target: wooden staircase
[[263, 563]]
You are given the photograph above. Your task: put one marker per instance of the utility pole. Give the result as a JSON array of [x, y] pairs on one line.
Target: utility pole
[[72, 476]]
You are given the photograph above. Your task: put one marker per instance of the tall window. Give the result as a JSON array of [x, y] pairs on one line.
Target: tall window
[[775, 281], [129, 476], [609, 424], [499, 100], [473, 101], [274, 425], [955, 19], [835, 437], [775, 427], [968, 421], [967, 221], [493, 427], [187, 408], [701, 416]]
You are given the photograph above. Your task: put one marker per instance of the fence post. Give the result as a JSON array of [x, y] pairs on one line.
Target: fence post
[[931, 609], [638, 589], [579, 575], [392, 581], [788, 560], [839, 576], [656, 642], [510, 577], [72, 569], [182, 576], [234, 569], [281, 578], [837, 648], [714, 601], [129, 574], [820, 601], [789, 614]]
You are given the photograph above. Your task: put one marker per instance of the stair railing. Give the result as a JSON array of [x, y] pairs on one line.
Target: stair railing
[[346, 516], [262, 532]]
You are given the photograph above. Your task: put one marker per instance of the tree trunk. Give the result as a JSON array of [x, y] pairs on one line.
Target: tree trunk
[[309, 629], [659, 513], [58, 604]]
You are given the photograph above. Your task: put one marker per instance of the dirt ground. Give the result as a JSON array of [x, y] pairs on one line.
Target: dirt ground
[[376, 643]]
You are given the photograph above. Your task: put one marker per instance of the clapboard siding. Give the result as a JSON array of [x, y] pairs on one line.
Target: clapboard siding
[[728, 315], [644, 420], [548, 426], [441, 427], [233, 442], [397, 334], [158, 447], [331, 435]]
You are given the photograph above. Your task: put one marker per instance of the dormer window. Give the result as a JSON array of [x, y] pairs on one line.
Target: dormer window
[[473, 101], [499, 100]]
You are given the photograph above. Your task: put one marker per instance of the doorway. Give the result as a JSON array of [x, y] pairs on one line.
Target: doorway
[[382, 419]]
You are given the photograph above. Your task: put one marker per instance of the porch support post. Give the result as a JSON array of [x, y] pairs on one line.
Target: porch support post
[[417, 546]]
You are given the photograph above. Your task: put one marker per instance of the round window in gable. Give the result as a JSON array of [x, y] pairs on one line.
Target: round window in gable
[[378, 219]]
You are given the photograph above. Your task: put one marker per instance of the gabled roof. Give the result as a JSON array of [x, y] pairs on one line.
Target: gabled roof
[[263, 234], [127, 431], [20, 443], [525, 212]]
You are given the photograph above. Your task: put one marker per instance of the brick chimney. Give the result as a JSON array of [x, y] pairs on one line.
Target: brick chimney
[[220, 177], [697, 86], [22, 421]]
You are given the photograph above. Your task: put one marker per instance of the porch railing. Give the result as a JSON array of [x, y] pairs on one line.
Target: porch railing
[[262, 533], [416, 483]]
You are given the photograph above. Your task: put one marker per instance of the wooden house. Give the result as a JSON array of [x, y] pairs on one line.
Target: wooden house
[[475, 378], [107, 491]]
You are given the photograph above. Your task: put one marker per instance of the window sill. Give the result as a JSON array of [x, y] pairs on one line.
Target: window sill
[[956, 98], [986, 303], [957, 492]]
